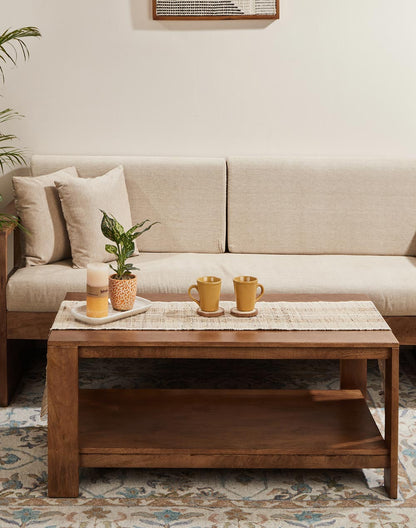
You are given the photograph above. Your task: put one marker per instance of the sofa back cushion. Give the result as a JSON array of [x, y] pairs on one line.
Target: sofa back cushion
[[328, 206], [82, 201], [186, 195], [39, 208]]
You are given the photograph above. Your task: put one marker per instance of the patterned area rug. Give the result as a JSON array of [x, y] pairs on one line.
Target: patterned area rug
[[134, 498]]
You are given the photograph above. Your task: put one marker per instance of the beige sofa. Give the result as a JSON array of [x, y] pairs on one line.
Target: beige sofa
[[300, 225]]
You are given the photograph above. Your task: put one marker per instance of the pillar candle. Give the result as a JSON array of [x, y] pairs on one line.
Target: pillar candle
[[97, 290]]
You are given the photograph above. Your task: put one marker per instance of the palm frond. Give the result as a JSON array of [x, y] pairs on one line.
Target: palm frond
[[8, 114], [7, 137], [10, 156], [10, 43]]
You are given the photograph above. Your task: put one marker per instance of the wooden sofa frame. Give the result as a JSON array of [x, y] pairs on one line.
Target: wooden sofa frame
[[18, 327]]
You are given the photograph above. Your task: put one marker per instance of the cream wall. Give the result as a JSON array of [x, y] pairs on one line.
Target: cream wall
[[331, 77]]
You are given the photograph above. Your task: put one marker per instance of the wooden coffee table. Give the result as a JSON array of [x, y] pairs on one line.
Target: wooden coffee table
[[220, 428]]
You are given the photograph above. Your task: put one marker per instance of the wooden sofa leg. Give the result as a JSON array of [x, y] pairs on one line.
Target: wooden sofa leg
[[11, 366], [9, 358], [4, 395]]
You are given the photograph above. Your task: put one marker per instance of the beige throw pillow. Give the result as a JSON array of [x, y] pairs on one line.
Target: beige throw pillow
[[81, 201], [39, 208]]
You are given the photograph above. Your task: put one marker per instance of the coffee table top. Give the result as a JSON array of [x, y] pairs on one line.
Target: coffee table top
[[248, 339]]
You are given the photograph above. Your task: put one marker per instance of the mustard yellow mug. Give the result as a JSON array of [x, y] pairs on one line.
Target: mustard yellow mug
[[209, 289], [245, 289]]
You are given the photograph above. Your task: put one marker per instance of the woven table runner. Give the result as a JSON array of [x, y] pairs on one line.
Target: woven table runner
[[318, 315]]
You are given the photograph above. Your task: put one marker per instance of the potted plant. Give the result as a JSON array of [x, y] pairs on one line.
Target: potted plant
[[123, 283], [10, 42]]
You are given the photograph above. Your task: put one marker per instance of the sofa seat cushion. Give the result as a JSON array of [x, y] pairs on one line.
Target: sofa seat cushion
[[389, 281]]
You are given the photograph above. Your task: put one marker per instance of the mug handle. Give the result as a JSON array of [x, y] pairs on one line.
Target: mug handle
[[262, 291], [189, 293]]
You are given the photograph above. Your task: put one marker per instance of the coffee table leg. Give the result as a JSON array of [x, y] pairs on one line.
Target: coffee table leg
[[63, 456], [353, 373], [391, 431]]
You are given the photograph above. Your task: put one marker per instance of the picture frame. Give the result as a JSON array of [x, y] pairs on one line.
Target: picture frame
[[215, 9]]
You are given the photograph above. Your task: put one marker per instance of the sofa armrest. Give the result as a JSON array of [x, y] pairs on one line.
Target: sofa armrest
[[8, 216], [10, 209], [8, 219], [8, 223], [9, 360]]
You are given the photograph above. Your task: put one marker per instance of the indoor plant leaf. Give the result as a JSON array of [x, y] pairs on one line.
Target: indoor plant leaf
[[111, 249], [124, 243], [139, 233], [11, 40], [108, 228]]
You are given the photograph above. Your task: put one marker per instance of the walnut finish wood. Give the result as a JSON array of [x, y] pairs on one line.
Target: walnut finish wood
[[234, 461], [36, 325], [391, 395], [404, 328], [4, 398], [9, 370], [233, 428], [10, 208], [17, 250], [214, 338], [16, 352], [236, 422], [228, 352], [63, 451], [353, 374], [29, 325]]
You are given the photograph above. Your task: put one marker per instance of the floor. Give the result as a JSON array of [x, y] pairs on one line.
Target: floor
[[138, 498]]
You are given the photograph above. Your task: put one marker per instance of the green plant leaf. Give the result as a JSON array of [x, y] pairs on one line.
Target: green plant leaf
[[111, 249], [7, 137], [8, 114], [108, 228], [137, 226], [124, 241], [10, 156], [144, 230], [118, 228], [11, 41], [128, 244]]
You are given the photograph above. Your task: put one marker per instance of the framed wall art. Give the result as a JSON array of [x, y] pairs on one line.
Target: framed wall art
[[214, 9]]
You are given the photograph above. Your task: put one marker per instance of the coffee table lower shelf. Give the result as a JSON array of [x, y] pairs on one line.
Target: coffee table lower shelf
[[228, 428]]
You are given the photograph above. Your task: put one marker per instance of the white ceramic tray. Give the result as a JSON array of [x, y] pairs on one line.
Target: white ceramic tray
[[140, 306]]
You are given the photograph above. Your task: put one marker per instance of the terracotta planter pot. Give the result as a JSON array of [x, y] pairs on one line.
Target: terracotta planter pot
[[122, 292]]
